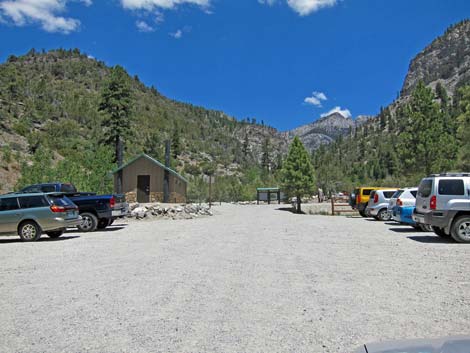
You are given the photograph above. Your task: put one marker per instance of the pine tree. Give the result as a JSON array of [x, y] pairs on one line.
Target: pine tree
[[266, 155], [116, 104], [425, 144], [297, 172], [463, 131], [175, 143]]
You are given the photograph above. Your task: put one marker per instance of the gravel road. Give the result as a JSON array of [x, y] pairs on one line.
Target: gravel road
[[249, 279]]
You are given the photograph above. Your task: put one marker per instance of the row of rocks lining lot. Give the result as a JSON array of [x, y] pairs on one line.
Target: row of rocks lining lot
[[168, 211]]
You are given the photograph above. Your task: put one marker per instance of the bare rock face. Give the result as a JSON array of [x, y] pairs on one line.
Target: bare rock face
[[326, 129], [445, 60]]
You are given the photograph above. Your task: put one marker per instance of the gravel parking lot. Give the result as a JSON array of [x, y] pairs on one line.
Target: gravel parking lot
[[249, 279]]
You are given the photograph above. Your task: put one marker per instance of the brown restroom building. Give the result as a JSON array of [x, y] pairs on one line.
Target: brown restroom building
[[143, 180]]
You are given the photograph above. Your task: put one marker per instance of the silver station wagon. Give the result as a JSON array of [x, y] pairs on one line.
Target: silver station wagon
[[30, 215]]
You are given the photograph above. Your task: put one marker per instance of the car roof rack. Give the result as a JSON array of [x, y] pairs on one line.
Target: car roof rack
[[450, 174]]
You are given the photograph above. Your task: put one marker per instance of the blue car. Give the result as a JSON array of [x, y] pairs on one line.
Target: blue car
[[403, 210]]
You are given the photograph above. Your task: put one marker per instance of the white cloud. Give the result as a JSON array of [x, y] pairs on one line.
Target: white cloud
[[303, 7], [177, 35], [306, 7], [144, 27], [267, 2], [150, 5], [44, 12], [316, 99], [344, 112]]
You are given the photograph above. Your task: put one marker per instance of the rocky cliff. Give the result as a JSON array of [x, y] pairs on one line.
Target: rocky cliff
[[445, 60]]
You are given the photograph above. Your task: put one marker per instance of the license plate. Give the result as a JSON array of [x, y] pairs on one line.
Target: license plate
[[117, 213]]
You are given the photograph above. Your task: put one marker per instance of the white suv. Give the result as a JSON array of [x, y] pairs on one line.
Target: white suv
[[443, 202], [378, 203]]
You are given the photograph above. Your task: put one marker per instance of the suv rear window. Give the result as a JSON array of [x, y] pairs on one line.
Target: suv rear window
[[9, 204], [425, 188], [366, 192], [451, 187], [60, 200], [388, 194], [414, 193], [33, 201]]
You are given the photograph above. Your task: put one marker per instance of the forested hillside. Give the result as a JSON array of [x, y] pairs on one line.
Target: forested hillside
[[51, 128], [425, 131]]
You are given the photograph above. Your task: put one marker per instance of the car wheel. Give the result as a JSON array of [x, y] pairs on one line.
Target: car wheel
[[89, 222], [55, 234], [460, 230], [383, 215], [440, 232], [103, 223], [29, 231], [363, 214], [425, 227]]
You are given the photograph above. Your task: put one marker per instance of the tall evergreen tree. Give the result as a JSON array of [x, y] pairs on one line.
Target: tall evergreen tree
[[425, 144], [116, 104], [463, 132], [175, 143], [266, 155], [297, 172]]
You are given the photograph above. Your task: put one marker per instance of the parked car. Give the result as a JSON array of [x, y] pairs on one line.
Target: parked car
[[456, 344], [377, 206], [362, 197], [405, 203], [393, 201], [443, 202], [97, 211], [30, 215]]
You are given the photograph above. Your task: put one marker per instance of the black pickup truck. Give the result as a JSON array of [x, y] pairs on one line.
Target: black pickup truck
[[97, 211]]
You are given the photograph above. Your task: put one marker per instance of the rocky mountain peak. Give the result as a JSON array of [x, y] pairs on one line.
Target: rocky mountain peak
[[445, 60]]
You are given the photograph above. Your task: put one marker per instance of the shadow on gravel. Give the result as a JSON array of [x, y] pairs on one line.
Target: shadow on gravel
[[44, 239], [429, 239], [396, 224], [289, 209], [405, 230], [108, 229]]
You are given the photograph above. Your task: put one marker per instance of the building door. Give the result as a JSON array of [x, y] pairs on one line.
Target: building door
[[143, 188]]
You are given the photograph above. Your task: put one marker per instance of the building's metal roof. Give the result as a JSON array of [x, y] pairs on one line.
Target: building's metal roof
[[154, 161], [268, 189]]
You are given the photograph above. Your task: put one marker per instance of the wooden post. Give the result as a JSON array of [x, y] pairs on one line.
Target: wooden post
[[332, 206], [279, 197], [257, 197], [269, 197]]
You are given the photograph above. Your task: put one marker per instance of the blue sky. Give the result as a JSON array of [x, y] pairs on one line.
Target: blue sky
[[285, 62]]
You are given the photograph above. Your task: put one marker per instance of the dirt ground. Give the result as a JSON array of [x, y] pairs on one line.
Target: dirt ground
[[249, 279]]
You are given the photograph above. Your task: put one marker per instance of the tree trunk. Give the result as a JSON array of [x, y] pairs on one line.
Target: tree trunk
[[119, 160], [299, 202]]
